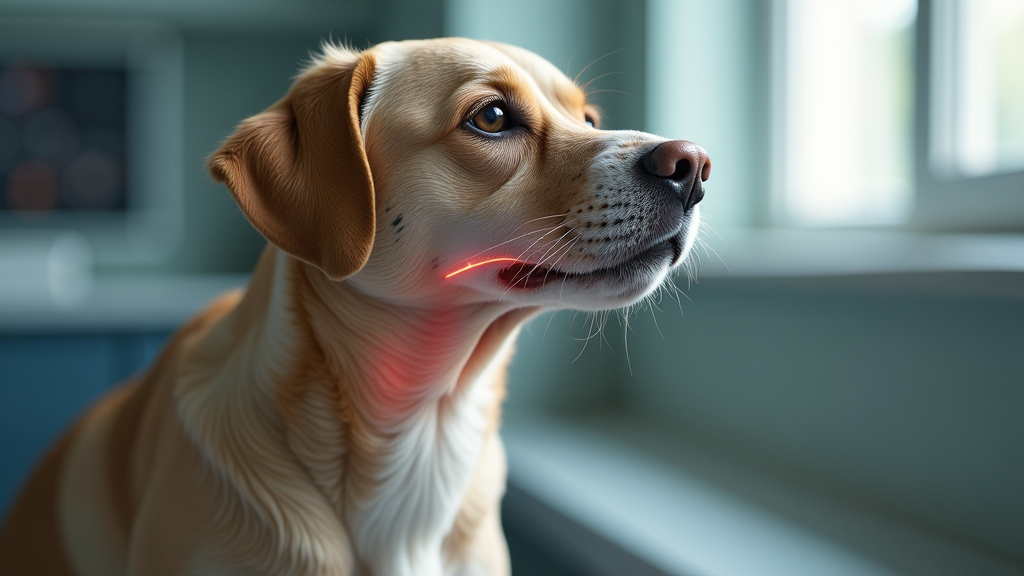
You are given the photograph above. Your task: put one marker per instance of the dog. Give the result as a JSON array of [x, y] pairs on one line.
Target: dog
[[421, 200]]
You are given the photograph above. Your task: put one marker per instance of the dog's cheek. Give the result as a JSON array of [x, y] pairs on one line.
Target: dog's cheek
[[478, 167]]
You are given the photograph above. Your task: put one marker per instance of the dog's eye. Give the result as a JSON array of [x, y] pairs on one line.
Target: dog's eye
[[589, 121], [491, 119]]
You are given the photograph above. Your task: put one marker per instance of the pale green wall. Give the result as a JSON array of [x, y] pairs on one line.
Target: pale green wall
[[707, 71], [571, 34], [228, 76], [891, 392]]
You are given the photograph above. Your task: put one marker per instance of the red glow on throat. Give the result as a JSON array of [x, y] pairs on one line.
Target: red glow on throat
[[474, 265]]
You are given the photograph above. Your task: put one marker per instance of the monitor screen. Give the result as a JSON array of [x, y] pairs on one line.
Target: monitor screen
[[62, 139], [91, 135]]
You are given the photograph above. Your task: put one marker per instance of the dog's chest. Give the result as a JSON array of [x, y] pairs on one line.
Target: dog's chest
[[418, 482]]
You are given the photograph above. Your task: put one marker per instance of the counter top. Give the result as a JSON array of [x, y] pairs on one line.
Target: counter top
[[135, 303]]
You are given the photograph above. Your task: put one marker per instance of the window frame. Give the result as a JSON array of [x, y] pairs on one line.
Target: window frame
[[995, 201]]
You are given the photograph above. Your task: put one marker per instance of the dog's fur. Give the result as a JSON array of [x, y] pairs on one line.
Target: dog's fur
[[340, 416]]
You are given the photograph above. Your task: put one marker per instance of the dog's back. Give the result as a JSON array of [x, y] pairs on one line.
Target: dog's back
[[30, 540]]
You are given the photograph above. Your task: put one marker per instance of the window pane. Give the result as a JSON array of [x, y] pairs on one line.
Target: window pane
[[848, 120], [989, 90]]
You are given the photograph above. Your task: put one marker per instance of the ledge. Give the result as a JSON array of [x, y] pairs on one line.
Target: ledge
[[779, 253], [699, 514], [134, 304], [973, 264]]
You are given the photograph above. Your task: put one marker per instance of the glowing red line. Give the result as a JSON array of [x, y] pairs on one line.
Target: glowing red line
[[471, 266]]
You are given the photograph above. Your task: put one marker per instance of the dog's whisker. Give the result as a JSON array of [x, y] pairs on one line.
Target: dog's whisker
[[596, 78], [607, 315], [595, 61], [518, 278], [523, 235], [558, 256], [530, 247], [704, 224], [546, 327], [566, 252], [544, 256], [654, 316], [676, 292], [625, 342], [585, 340], [561, 289], [568, 66], [561, 254], [541, 261], [719, 256], [609, 90], [520, 258]]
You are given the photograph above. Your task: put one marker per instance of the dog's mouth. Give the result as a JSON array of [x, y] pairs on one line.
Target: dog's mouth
[[527, 276]]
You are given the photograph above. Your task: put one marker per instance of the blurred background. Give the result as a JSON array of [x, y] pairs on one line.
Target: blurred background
[[834, 386]]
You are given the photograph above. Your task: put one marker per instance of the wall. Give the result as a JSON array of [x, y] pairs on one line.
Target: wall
[[906, 398], [582, 37], [707, 69]]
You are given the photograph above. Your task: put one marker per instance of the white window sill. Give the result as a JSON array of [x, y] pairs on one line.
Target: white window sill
[[787, 252], [682, 522]]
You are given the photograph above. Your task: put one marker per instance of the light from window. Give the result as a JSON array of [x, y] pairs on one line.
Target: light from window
[[847, 114], [988, 86]]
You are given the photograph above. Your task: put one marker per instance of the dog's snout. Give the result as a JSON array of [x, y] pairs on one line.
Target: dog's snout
[[682, 166]]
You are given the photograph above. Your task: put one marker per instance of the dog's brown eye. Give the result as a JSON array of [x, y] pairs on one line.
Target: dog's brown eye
[[589, 121], [491, 119]]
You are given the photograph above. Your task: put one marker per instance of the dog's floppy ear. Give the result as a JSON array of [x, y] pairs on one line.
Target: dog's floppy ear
[[299, 170]]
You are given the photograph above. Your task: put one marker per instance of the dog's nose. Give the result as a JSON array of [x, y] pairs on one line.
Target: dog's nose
[[683, 166]]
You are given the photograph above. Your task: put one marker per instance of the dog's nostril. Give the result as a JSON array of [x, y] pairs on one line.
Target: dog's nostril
[[684, 165], [684, 171]]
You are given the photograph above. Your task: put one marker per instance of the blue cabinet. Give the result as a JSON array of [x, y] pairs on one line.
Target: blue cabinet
[[46, 381]]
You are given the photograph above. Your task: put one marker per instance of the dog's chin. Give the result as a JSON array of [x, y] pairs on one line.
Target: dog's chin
[[615, 286]]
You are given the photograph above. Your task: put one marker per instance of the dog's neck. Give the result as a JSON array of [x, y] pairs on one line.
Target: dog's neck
[[387, 409], [405, 355]]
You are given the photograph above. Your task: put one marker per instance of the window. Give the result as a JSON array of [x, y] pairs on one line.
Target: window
[[979, 87], [900, 112], [847, 112]]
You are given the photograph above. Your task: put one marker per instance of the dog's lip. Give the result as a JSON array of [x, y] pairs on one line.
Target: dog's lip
[[527, 276]]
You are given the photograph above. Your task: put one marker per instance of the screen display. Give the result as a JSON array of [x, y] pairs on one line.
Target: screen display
[[62, 139]]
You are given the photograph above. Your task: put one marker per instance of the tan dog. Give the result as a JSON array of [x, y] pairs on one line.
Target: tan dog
[[422, 199]]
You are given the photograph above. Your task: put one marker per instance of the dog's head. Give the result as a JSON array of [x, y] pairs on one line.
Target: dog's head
[[458, 170]]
